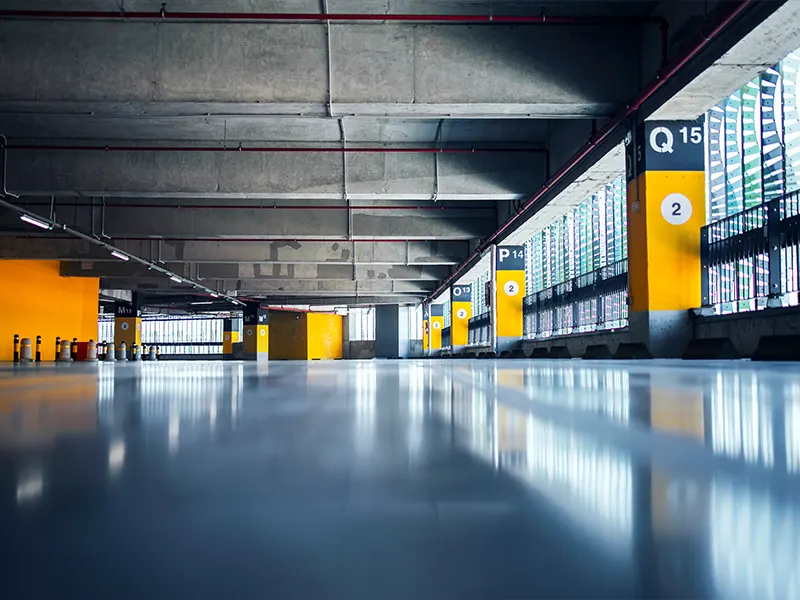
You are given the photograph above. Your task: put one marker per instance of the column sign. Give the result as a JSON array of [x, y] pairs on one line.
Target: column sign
[[664, 146], [510, 286], [461, 307]]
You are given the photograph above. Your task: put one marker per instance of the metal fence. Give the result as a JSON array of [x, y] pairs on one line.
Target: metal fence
[[479, 330], [174, 334], [590, 302], [447, 337], [752, 259]]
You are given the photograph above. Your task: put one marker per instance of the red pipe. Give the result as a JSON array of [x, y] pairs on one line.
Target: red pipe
[[333, 149], [599, 138], [256, 207], [317, 17]]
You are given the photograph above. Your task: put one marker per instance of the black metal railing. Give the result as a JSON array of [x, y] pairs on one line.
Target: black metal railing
[[590, 302], [447, 337], [751, 259], [479, 330]]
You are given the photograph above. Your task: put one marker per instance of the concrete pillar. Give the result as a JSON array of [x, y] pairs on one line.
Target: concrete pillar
[[461, 313], [508, 284], [345, 336], [128, 322], [391, 331], [256, 332], [666, 209], [437, 324]]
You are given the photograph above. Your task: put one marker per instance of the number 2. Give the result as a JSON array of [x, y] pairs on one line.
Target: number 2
[[676, 209]]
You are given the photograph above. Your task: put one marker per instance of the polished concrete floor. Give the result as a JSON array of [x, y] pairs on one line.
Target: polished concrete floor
[[401, 479]]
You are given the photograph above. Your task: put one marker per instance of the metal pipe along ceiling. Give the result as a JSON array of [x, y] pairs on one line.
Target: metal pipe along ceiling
[[601, 136], [165, 14]]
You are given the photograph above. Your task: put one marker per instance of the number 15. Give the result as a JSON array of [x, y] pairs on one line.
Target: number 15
[[695, 135]]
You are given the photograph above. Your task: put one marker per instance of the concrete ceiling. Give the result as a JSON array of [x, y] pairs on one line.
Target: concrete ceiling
[[214, 146]]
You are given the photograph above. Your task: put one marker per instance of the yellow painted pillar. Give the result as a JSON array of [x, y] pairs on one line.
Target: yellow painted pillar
[[508, 293], [461, 313], [230, 336], [666, 209], [437, 324], [426, 328], [256, 333], [127, 324]]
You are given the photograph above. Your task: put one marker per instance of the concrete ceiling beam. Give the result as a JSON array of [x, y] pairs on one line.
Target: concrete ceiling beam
[[381, 69], [86, 123], [259, 271], [262, 226], [275, 176], [278, 287], [419, 253]]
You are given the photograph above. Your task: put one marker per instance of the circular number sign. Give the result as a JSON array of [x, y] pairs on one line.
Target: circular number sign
[[511, 288], [676, 209], [249, 332], [124, 327], [461, 313], [436, 325]]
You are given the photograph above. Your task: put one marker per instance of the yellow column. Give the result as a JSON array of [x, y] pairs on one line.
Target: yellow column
[[127, 324], [426, 326], [666, 209], [230, 336], [461, 312], [437, 323], [509, 292]]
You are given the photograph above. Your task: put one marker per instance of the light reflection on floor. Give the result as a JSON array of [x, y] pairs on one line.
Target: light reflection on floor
[[685, 479]]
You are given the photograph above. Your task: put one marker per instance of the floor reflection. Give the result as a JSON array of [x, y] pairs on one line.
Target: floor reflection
[[710, 536], [424, 478], [755, 543]]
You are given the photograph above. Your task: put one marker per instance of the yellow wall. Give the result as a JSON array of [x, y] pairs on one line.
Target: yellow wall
[[36, 300], [324, 336], [288, 332]]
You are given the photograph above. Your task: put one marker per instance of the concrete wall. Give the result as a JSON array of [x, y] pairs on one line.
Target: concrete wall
[[362, 350], [745, 329], [324, 336], [415, 349], [577, 344], [36, 300]]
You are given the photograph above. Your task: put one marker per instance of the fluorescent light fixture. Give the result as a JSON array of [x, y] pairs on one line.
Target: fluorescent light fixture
[[36, 222], [175, 279], [194, 303], [213, 295], [119, 255]]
